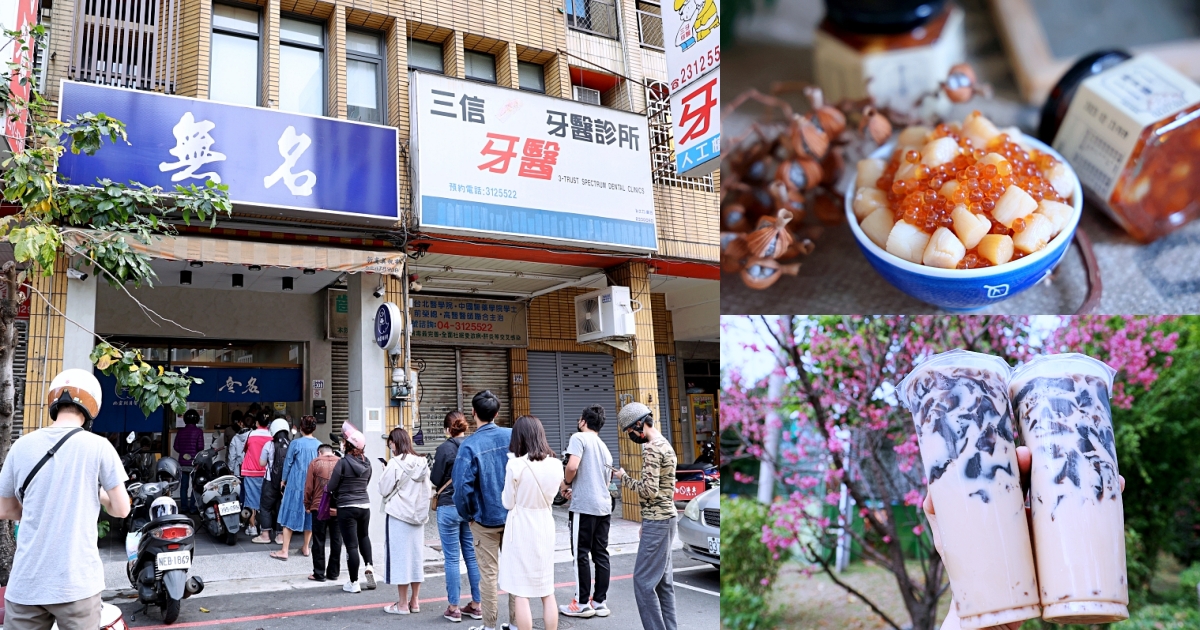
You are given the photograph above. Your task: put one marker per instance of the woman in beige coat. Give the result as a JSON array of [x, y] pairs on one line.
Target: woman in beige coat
[[527, 557], [404, 487]]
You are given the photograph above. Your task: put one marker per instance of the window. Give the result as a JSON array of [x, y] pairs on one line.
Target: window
[[480, 66], [426, 56], [301, 66], [233, 74], [662, 145], [364, 77], [531, 76]]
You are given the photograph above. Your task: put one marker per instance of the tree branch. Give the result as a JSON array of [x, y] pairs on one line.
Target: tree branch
[[850, 589]]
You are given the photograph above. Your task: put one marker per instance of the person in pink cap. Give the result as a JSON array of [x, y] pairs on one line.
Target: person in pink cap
[[348, 488]]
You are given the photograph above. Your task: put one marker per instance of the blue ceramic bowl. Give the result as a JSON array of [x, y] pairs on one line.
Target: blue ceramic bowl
[[967, 289]]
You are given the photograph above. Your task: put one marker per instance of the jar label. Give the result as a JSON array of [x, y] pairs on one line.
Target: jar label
[[1108, 114]]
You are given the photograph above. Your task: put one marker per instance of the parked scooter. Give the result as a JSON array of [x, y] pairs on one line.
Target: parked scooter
[[138, 462], [693, 479], [218, 491], [160, 555]]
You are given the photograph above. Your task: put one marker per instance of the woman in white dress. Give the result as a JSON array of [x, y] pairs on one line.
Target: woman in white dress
[[405, 491], [527, 558]]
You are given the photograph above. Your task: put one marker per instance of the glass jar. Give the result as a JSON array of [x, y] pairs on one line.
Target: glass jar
[[894, 51], [1130, 127]]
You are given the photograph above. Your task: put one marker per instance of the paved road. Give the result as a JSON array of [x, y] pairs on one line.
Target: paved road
[[299, 605]]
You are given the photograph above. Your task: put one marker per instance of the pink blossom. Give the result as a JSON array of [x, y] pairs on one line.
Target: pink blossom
[[741, 477], [913, 497], [919, 529]]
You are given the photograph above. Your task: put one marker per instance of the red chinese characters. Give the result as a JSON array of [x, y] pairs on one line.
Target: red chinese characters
[[538, 157], [698, 115], [502, 156]]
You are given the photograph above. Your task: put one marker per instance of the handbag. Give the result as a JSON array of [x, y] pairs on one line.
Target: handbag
[[324, 512]]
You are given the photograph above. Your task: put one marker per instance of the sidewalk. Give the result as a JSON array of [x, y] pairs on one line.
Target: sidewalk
[[216, 562]]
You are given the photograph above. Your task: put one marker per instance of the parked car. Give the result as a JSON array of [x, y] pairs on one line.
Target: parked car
[[700, 527]]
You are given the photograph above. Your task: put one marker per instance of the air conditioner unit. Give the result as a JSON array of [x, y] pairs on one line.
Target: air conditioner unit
[[587, 95], [605, 314]]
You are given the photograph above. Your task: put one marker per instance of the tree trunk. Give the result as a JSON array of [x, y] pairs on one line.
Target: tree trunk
[[8, 316]]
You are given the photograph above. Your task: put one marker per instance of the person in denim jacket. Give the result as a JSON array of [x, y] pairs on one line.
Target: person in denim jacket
[[478, 476]]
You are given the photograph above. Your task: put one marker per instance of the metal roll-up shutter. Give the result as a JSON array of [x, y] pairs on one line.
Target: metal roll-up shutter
[[587, 379], [486, 368], [339, 404], [664, 406], [545, 396], [437, 392], [19, 355]]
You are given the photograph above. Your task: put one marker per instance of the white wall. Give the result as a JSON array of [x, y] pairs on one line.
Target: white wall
[[81, 322]]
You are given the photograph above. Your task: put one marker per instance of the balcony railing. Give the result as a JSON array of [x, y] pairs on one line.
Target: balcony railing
[[650, 29], [593, 16], [662, 143], [126, 43]]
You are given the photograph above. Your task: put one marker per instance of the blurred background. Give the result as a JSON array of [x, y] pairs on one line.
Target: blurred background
[[1020, 48]]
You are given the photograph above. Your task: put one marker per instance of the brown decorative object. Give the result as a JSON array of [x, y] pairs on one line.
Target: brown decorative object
[[960, 83], [807, 139], [733, 218], [876, 125], [761, 273], [772, 238], [733, 252]]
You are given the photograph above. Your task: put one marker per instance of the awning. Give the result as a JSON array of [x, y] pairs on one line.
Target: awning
[[215, 250]]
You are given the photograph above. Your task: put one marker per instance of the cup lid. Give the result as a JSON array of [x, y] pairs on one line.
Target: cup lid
[[1059, 99], [1059, 364], [952, 358]]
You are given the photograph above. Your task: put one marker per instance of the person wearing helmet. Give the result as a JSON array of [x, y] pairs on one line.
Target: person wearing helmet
[[188, 441], [272, 457], [653, 587], [54, 481]]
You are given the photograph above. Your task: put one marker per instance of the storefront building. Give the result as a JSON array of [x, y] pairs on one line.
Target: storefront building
[[480, 166]]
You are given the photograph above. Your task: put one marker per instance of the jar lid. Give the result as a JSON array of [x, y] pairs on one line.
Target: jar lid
[[881, 16], [1060, 97]]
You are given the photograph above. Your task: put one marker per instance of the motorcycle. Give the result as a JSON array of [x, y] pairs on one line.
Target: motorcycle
[[138, 463], [693, 479], [217, 490], [161, 545]]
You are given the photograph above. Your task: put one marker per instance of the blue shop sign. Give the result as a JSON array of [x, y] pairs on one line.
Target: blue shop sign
[[120, 413], [267, 157], [238, 385]]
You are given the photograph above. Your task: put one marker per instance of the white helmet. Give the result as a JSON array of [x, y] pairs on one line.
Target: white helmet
[[163, 506], [279, 424], [75, 387]]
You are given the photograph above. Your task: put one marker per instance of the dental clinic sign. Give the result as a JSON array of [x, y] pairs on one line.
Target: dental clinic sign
[[267, 157], [692, 44], [496, 162]]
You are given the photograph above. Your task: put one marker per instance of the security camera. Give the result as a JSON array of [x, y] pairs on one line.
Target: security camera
[[76, 274], [379, 291]]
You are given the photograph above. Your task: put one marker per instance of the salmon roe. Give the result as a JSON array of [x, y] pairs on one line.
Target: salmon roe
[[918, 201]]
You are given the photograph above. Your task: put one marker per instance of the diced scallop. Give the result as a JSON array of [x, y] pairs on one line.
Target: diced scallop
[[979, 130], [969, 227], [1058, 213], [1015, 135], [913, 137], [1012, 205], [1060, 179], [878, 225], [866, 200], [907, 241], [996, 248], [907, 170], [869, 171], [1038, 231], [1003, 166], [939, 152], [943, 250], [948, 189]]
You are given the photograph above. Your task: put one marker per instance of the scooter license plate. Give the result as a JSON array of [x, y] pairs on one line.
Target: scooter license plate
[[225, 509], [171, 560]]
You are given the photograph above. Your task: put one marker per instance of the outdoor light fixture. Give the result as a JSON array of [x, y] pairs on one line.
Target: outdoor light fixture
[[237, 280], [255, 267], [196, 264], [462, 282], [414, 282], [287, 283], [309, 272], [185, 277]]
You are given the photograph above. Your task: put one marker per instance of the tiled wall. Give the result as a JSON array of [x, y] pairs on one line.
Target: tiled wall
[[47, 303]]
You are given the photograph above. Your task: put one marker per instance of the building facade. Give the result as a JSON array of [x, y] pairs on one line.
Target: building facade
[[277, 304]]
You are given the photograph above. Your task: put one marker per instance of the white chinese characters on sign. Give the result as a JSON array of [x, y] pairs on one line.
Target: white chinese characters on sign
[[251, 386], [229, 385], [291, 147], [193, 149]]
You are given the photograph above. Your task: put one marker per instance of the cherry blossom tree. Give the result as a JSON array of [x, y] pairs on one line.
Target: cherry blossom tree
[[844, 430]]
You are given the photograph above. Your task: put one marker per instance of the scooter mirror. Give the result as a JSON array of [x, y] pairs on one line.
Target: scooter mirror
[[131, 437]]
